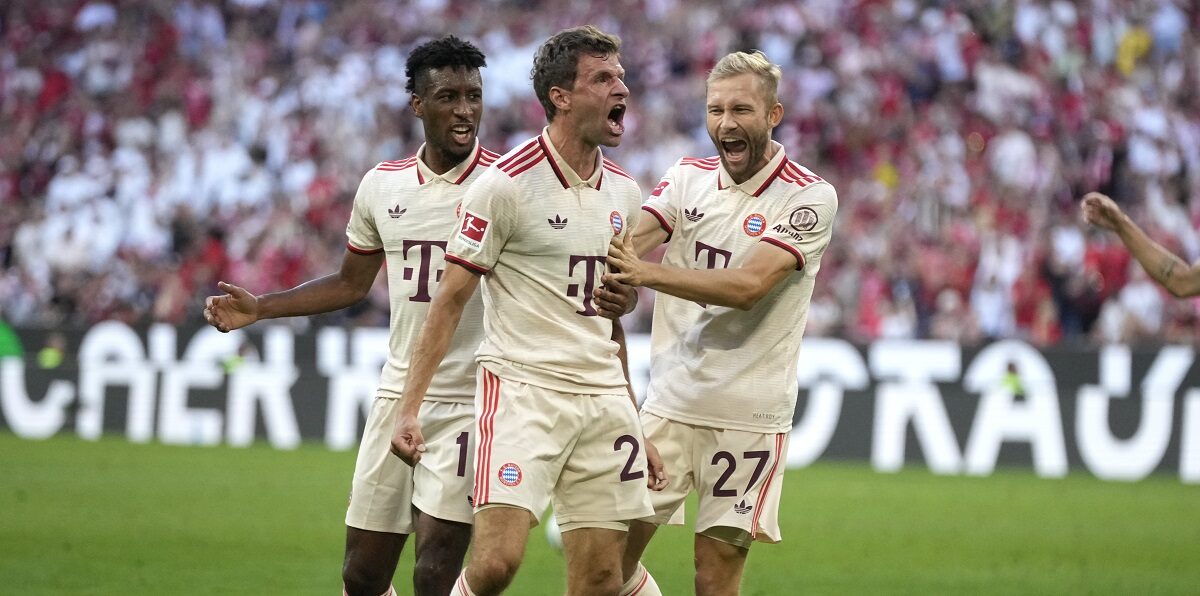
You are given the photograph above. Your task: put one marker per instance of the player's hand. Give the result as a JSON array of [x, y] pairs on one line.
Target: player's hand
[[407, 441], [656, 472], [624, 263], [1101, 211], [233, 310], [615, 299]]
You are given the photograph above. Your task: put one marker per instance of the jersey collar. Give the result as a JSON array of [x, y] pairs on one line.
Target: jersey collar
[[566, 175], [758, 183], [454, 175]]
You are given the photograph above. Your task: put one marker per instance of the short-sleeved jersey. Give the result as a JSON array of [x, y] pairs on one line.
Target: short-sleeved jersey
[[539, 234], [724, 367], [405, 210]]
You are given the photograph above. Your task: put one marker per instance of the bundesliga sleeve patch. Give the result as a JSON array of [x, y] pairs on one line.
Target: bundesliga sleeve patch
[[661, 187], [473, 229]]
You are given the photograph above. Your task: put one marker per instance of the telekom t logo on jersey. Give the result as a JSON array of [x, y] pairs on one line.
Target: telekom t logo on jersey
[[712, 252], [592, 265], [426, 269]]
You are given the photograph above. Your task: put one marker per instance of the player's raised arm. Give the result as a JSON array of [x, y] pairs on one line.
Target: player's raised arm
[[1179, 278], [740, 287], [455, 290], [237, 308]]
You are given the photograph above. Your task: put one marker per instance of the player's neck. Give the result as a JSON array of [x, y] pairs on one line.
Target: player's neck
[[439, 162], [579, 155]]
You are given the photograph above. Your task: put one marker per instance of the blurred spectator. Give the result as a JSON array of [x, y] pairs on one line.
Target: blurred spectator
[[151, 148]]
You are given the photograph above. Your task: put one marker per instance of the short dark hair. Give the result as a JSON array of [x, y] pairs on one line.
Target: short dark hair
[[440, 53], [557, 60]]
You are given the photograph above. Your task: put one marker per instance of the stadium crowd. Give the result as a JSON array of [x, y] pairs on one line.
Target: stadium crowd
[[150, 148]]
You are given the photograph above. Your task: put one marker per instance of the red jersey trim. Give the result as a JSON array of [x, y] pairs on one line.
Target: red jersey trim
[[518, 155], [662, 221], [397, 165], [471, 168], [472, 267], [614, 168], [529, 164], [363, 251], [788, 247], [557, 172], [772, 177]]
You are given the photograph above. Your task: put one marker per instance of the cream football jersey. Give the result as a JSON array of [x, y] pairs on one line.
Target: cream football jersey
[[405, 210], [724, 367], [539, 235]]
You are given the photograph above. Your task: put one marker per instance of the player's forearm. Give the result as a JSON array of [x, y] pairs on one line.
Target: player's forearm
[[325, 294], [618, 335], [1165, 267], [735, 288]]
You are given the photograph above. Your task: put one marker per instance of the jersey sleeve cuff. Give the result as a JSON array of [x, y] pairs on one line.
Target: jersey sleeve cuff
[[662, 221], [468, 265], [363, 251], [788, 247]]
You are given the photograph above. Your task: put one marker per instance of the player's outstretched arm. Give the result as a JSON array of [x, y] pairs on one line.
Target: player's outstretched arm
[[237, 308], [1180, 279], [740, 287], [455, 290]]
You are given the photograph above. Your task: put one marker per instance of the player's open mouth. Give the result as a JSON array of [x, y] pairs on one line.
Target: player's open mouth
[[734, 149], [461, 133], [616, 119]]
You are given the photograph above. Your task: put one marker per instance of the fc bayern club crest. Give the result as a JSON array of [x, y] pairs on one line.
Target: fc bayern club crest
[[510, 474], [618, 224], [755, 224]]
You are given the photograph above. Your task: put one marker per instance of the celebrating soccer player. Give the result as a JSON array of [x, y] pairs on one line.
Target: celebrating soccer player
[[555, 416], [403, 213], [745, 231]]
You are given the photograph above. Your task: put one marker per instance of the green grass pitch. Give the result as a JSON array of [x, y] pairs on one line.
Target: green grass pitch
[[111, 517]]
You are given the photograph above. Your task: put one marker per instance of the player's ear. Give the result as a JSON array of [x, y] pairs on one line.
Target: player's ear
[[561, 98], [417, 105], [775, 116]]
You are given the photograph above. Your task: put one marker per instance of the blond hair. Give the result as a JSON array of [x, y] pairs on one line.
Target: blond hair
[[755, 63]]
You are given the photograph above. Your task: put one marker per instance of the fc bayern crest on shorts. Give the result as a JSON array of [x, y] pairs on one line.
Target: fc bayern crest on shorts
[[755, 224], [510, 474], [618, 224]]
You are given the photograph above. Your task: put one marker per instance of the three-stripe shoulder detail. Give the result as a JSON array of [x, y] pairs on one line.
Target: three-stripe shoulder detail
[[397, 165], [794, 173]]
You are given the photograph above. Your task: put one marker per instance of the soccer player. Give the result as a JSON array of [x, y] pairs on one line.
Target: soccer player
[[1179, 278], [403, 213], [556, 420], [745, 231]]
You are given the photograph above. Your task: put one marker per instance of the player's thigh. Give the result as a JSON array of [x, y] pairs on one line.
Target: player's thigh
[[739, 478], [381, 492], [524, 436], [603, 479], [675, 444], [500, 533], [445, 476]]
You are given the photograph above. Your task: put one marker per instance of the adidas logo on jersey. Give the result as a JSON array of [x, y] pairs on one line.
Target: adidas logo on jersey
[[742, 507], [396, 212], [693, 215], [557, 223]]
